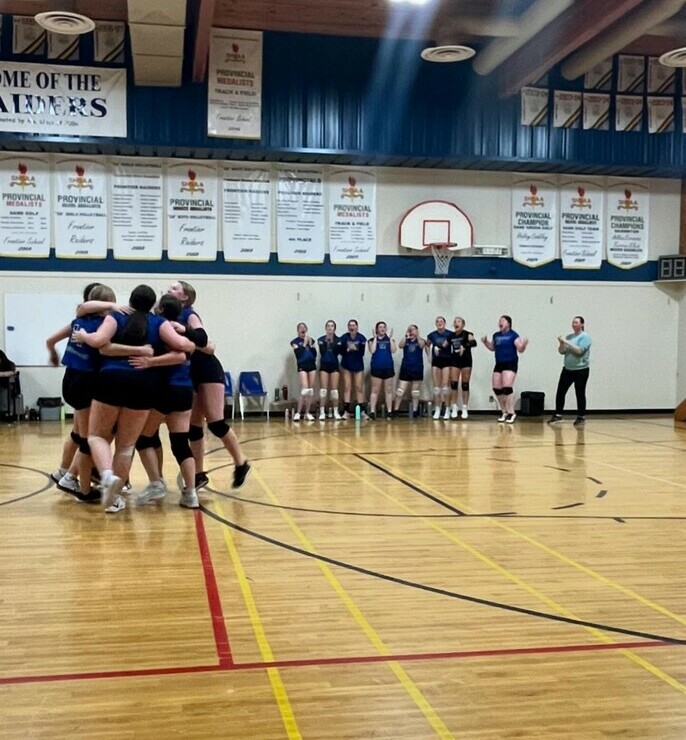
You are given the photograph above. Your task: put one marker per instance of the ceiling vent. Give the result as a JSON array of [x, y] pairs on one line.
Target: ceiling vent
[[68, 24], [448, 53], [674, 58]]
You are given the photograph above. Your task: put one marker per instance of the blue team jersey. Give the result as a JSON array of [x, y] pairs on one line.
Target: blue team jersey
[[504, 346], [152, 338], [81, 356], [180, 375], [382, 359], [437, 339], [329, 349], [461, 341], [304, 354], [352, 352], [413, 357]]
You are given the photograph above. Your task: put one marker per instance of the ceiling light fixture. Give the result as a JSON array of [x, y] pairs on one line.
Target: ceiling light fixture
[[410, 2], [674, 58], [64, 22], [447, 53]]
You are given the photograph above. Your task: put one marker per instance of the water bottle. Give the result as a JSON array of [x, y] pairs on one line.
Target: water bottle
[[287, 414], [358, 412], [277, 393], [284, 392]]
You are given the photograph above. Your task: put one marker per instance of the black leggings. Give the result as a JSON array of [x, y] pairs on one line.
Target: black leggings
[[577, 378]]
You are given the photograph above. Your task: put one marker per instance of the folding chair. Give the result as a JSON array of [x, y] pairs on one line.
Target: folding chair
[[228, 394], [250, 386]]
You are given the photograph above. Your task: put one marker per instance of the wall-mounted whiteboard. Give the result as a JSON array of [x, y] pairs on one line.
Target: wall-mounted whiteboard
[[30, 318]]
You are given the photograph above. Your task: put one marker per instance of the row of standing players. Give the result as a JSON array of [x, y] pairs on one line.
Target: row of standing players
[[450, 353], [128, 368]]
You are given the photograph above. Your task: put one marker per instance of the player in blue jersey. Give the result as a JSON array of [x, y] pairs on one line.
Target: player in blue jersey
[[207, 375], [305, 349], [329, 370], [507, 345], [123, 395], [411, 369], [439, 348], [352, 367], [382, 347], [172, 404], [461, 371]]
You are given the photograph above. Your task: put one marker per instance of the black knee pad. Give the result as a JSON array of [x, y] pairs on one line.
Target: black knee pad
[[498, 391], [219, 428], [145, 443], [158, 441], [507, 390], [84, 447], [453, 384], [179, 446], [75, 438], [465, 386], [195, 433]]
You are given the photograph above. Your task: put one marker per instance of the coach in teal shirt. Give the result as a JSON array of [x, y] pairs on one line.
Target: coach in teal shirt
[[576, 348]]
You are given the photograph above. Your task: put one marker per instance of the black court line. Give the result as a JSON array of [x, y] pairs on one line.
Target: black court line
[[439, 591], [48, 485], [553, 467], [417, 489], [567, 506], [601, 494], [595, 480]]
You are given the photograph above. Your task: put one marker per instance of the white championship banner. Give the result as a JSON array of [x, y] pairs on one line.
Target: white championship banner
[[534, 104], [246, 213], [582, 228], [534, 222], [596, 111], [27, 36], [80, 198], [300, 233], [352, 216], [630, 73], [234, 85], [60, 99], [599, 77], [192, 211], [109, 42], [628, 112], [137, 208], [566, 109], [628, 207], [661, 79], [25, 221], [660, 115]]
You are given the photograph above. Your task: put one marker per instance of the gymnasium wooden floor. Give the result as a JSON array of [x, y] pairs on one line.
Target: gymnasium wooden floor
[[386, 580]]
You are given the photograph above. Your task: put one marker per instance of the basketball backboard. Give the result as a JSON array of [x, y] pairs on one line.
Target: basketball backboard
[[435, 222]]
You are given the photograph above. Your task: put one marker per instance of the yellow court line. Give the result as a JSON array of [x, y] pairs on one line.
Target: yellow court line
[[502, 570], [277, 684], [406, 682]]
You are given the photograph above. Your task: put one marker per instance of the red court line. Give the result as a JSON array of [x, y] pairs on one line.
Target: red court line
[[221, 637], [305, 662]]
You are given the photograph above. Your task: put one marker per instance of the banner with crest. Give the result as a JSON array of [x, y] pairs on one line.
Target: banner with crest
[[628, 207], [80, 207], [300, 233], [534, 222], [192, 211], [246, 213], [581, 226], [352, 216], [25, 221]]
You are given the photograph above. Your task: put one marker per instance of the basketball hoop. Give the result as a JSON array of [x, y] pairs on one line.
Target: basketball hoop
[[442, 255]]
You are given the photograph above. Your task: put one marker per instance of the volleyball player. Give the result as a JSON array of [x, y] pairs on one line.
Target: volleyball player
[[352, 367], [439, 347], [207, 375], [411, 369], [122, 394], [172, 404], [506, 344], [382, 347], [329, 370], [461, 371], [304, 348]]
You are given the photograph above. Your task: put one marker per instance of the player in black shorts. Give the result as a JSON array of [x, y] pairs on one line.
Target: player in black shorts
[[411, 369], [207, 375], [305, 349], [461, 371], [329, 370], [439, 349]]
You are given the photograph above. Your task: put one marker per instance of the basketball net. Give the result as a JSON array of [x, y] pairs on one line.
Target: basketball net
[[442, 256]]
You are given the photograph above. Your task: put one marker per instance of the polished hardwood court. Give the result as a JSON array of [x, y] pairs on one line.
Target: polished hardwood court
[[388, 579]]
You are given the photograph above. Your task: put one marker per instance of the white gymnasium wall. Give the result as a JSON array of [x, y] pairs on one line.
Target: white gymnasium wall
[[634, 326]]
